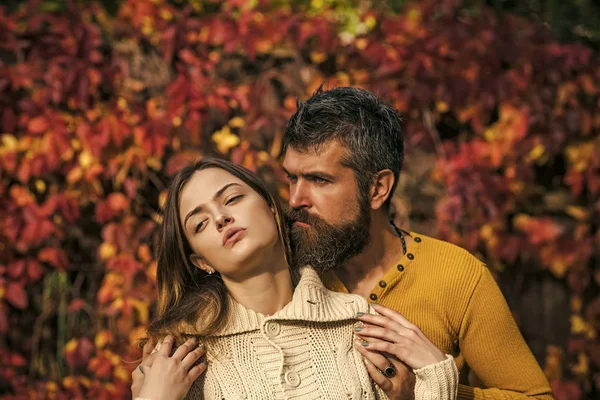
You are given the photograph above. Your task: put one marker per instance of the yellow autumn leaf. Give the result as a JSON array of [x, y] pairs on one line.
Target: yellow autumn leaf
[[317, 57], [579, 325], [237, 122], [141, 307], [121, 373], [106, 251], [579, 213], [536, 153], [9, 143], [154, 163], [85, 159], [370, 21], [521, 221], [102, 338], [225, 140], [582, 366]]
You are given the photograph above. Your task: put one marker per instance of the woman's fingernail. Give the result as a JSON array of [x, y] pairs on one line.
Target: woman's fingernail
[[359, 314], [358, 328], [365, 343]]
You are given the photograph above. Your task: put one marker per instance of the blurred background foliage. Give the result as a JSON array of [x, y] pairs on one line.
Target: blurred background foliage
[[101, 102]]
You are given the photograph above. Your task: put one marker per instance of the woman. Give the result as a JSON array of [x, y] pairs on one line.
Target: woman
[[269, 331]]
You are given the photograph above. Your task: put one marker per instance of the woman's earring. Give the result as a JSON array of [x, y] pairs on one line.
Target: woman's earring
[[209, 272]]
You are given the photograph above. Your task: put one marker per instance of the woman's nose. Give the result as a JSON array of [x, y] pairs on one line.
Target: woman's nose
[[223, 221]]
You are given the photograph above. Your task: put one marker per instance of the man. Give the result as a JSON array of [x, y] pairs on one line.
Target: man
[[343, 155]]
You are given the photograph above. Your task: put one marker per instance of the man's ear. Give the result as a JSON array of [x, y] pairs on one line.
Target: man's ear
[[200, 263], [381, 188]]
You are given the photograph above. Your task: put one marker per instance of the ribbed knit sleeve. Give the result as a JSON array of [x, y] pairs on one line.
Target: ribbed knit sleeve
[[491, 342], [437, 381]]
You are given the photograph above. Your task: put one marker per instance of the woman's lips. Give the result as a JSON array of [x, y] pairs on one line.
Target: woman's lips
[[236, 237]]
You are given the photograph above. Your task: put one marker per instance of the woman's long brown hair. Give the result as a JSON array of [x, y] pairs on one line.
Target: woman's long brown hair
[[187, 296]]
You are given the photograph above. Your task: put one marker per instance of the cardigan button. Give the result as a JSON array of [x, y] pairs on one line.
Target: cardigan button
[[400, 267], [373, 296], [292, 379], [272, 329]]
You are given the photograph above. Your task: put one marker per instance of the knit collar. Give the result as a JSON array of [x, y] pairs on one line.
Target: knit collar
[[311, 302]]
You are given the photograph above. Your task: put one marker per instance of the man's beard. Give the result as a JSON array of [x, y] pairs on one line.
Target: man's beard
[[324, 246]]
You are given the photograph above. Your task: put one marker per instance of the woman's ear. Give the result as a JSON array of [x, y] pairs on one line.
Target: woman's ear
[[200, 263]]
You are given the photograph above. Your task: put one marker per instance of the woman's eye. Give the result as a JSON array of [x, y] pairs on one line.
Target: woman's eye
[[198, 226], [232, 199]]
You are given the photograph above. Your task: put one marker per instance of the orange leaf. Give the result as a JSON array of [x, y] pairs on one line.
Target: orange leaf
[[38, 125], [53, 256]]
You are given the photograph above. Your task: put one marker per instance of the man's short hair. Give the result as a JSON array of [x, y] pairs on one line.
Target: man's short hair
[[369, 128]]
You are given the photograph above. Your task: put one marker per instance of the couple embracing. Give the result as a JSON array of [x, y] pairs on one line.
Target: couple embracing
[[329, 300]]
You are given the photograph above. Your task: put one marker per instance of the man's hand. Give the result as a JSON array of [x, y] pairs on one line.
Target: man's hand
[[399, 387], [138, 374]]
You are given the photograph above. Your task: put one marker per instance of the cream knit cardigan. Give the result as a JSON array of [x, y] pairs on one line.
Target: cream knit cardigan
[[304, 351]]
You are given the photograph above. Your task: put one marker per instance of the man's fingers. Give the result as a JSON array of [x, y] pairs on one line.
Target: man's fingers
[[383, 382], [147, 349], [192, 357], [184, 349], [403, 353], [148, 361], [375, 358], [166, 346]]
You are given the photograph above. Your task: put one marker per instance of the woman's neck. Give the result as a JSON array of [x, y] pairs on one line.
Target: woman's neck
[[265, 292]]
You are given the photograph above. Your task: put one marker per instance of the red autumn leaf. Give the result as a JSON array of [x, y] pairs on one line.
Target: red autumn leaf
[[38, 125], [34, 270], [117, 202], [16, 269], [55, 257], [101, 367], [15, 294], [76, 305], [17, 360]]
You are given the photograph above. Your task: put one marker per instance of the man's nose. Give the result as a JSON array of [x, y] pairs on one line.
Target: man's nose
[[299, 196], [223, 221]]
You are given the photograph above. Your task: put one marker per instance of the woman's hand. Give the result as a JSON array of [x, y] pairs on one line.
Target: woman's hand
[[170, 377], [391, 333]]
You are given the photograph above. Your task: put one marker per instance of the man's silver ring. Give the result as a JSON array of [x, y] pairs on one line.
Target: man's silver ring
[[390, 371]]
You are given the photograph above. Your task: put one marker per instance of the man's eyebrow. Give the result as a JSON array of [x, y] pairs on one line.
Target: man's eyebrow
[[311, 174], [218, 194]]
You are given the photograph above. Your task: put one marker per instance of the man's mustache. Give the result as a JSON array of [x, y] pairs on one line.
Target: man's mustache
[[301, 215]]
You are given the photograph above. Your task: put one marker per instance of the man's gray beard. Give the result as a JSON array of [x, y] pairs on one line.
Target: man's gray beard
[[326, 247]]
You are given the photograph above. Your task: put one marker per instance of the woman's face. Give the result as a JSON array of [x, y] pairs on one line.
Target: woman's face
[[229, 226]]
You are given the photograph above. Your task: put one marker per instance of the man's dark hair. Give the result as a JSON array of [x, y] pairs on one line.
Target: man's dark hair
[[369, 128]]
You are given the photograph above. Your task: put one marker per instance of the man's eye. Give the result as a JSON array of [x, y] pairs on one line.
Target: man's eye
[[291, 178], [233, 199], [316, 179]]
